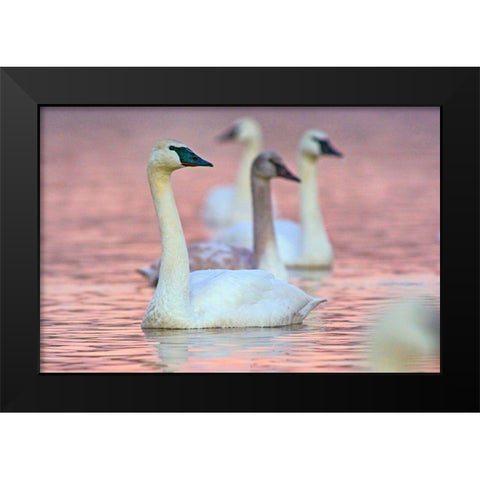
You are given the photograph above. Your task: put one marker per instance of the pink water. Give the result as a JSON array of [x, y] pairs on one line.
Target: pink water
[[380, 204]]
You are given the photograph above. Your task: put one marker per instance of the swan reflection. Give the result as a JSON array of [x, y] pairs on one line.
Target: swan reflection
[[177, 347]]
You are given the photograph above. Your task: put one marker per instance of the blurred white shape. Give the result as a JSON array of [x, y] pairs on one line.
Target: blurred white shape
[[404, 334]]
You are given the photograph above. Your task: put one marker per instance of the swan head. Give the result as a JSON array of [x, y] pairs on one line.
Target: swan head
[[269, 165], [244, 130], [170, 155], [315, 143]]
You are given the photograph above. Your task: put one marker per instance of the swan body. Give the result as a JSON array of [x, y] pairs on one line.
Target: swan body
[[209, 298], [235, 298], [215, 255], [305, 245], [289, 237], [228, 204]]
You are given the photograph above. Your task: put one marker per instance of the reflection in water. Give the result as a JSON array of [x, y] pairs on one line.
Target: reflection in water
[[176, 348], [381, 209]]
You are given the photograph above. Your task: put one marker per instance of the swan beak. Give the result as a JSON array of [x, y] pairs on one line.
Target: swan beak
[[284, 172], [327, 149], [230, 134], [189, 158], [195, 161]]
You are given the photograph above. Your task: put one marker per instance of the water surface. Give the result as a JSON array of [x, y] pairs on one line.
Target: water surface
[[380, 204]]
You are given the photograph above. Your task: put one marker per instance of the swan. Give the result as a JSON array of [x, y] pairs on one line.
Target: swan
[[265, 256], [209, 298], [226, 205], [304, 246], [402, 334]]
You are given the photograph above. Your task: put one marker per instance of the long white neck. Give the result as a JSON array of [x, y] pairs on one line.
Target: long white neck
[[264, 242], [314, 235], [173, 288], [243, 196]]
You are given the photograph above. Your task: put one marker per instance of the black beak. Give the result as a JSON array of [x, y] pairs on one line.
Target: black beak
[[189, 158], [284, 172], [230, 134], [327, 149]]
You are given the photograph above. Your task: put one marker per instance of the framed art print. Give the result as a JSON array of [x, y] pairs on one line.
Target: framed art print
[[332, 248]]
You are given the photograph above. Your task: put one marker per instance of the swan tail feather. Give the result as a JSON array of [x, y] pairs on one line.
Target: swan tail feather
[[314, 302]]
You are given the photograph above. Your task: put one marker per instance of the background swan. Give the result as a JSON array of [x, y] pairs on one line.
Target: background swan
[[265, 256], [306, 245], [403, 334], [205, 256], [229, 204], [209, 298]]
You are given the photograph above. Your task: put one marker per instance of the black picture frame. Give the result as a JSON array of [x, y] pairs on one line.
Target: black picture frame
[[24, 90]]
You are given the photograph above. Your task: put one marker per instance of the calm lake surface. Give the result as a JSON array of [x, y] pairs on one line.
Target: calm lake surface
[[380, 204]]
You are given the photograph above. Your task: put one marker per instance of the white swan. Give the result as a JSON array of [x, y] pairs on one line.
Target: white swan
[[229, 204], [403, 334], [209, 298], [305, 245], [265, 256]]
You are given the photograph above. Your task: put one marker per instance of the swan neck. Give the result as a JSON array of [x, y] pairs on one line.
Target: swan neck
[[313, 229], [243, 195], [173, 288], [265, 247]]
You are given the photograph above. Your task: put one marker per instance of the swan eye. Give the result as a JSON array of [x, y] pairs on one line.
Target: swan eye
[[278, 166], [322, 144]]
